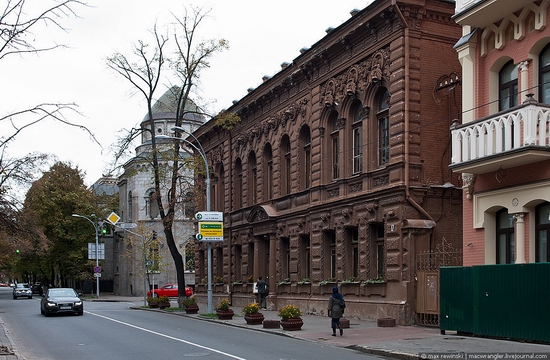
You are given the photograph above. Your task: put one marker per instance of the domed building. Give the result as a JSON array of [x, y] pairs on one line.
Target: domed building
[[140, 217]]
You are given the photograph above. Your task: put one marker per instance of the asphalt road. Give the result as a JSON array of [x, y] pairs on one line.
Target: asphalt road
[[111, 330]]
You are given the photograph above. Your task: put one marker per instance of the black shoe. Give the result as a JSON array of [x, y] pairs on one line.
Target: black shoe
[[341, 332], [333, 334]]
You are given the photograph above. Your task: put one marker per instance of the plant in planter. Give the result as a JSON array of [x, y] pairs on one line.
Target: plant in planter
[[223, 310], [153, 302], [190, 305], [284, 282], [252, 314], [378, 280], [291, 318], [250, 279], [304, 281], [376, 286], [163, 302], [327, 281]]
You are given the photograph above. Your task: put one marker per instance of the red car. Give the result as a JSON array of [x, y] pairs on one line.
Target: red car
[[170, 290]]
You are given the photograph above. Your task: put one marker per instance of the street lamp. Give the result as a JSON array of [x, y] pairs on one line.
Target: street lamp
[[201, 151], [96, 248]]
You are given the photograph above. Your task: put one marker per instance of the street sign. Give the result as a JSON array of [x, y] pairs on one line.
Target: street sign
[[97, 269], [210, 231], [199, 237], [113, 218], [97, 275], [128, 225], [209, 216], [100, 252]]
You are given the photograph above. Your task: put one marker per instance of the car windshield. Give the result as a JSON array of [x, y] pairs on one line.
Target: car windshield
[[22, 285], [61, 292]]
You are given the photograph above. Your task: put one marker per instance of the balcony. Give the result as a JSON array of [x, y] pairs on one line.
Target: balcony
[[516, 137], [481, 13]]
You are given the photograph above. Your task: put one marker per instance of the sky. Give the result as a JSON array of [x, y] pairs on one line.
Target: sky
[[261, 35]]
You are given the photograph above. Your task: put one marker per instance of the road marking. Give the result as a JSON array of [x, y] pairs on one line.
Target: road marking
[[167, 336]]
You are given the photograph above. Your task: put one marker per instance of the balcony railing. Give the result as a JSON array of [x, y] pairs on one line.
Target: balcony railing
[[518, 136]]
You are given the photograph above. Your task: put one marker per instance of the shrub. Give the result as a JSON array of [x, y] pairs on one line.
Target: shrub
[[223, 304], [189, 301], [252, 308], [290, 312]]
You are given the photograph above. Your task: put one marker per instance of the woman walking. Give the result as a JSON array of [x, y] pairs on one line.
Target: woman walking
[[336, 306]]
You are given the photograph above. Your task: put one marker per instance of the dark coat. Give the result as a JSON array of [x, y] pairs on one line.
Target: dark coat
[[335, 311]]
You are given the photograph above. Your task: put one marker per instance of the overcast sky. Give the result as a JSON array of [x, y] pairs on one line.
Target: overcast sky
[[261, 34]]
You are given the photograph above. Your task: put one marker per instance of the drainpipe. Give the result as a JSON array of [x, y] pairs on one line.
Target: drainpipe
[[407, 112]]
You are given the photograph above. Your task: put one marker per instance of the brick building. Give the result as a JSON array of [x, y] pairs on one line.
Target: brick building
[[338, 172], [501, 146]]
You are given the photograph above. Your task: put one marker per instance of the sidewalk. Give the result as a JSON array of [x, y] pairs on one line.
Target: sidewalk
[[403, 342]]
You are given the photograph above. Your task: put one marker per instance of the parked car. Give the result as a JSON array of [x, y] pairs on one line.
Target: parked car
[[170, 290], [61, 300], [37, 289], [22, 289]]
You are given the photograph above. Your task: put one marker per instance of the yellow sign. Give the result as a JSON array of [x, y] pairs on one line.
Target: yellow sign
[[211, 231], [113, 218]]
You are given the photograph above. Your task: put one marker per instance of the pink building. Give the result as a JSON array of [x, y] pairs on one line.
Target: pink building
[[501, 147]]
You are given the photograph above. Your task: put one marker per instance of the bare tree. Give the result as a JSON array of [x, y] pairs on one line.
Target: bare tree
[[21, 34], [145, 75], [19, 21]]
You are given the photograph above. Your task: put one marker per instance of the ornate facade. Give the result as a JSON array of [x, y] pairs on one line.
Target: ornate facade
[[338, 172], [501, 145]]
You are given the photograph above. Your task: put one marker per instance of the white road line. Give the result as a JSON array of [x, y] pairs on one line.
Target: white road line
[[167, 336]]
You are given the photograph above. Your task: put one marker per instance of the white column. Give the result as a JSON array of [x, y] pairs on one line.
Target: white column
[[523, 68], [520, 238]]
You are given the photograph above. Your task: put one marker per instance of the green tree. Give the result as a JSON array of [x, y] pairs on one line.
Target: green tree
[[57, 248]]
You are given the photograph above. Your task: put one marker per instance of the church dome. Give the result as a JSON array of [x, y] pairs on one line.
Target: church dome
[[166, 106]]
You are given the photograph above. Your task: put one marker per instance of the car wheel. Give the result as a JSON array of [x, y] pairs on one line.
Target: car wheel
[[46, 314], [41, 311], [155, 295], [81, 313], [15, 298], [30, 297]]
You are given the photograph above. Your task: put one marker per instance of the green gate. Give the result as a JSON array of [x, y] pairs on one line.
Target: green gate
[[507, 301]]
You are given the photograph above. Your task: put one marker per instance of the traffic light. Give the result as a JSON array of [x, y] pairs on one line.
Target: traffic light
[[17, 251], [105, 229]]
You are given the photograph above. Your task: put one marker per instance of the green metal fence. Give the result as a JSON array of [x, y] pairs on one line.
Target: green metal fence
[[506, 301]]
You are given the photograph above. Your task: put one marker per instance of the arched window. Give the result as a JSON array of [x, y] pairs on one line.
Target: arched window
[[252, 178], [268, 175], [542, 251], [238, 184], [505, 237], [305, 157], [357, 130], [335, 144], [129, 205], [151, 205], [220, 189], [285, 166], [508, 86], [544, 62], [383, 119]]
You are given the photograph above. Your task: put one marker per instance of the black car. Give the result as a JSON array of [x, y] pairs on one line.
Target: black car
[[37, 289], [61, 300], [22, 289]]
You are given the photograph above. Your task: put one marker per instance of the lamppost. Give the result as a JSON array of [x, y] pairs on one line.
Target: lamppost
[[201, 151], [96, 248]]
